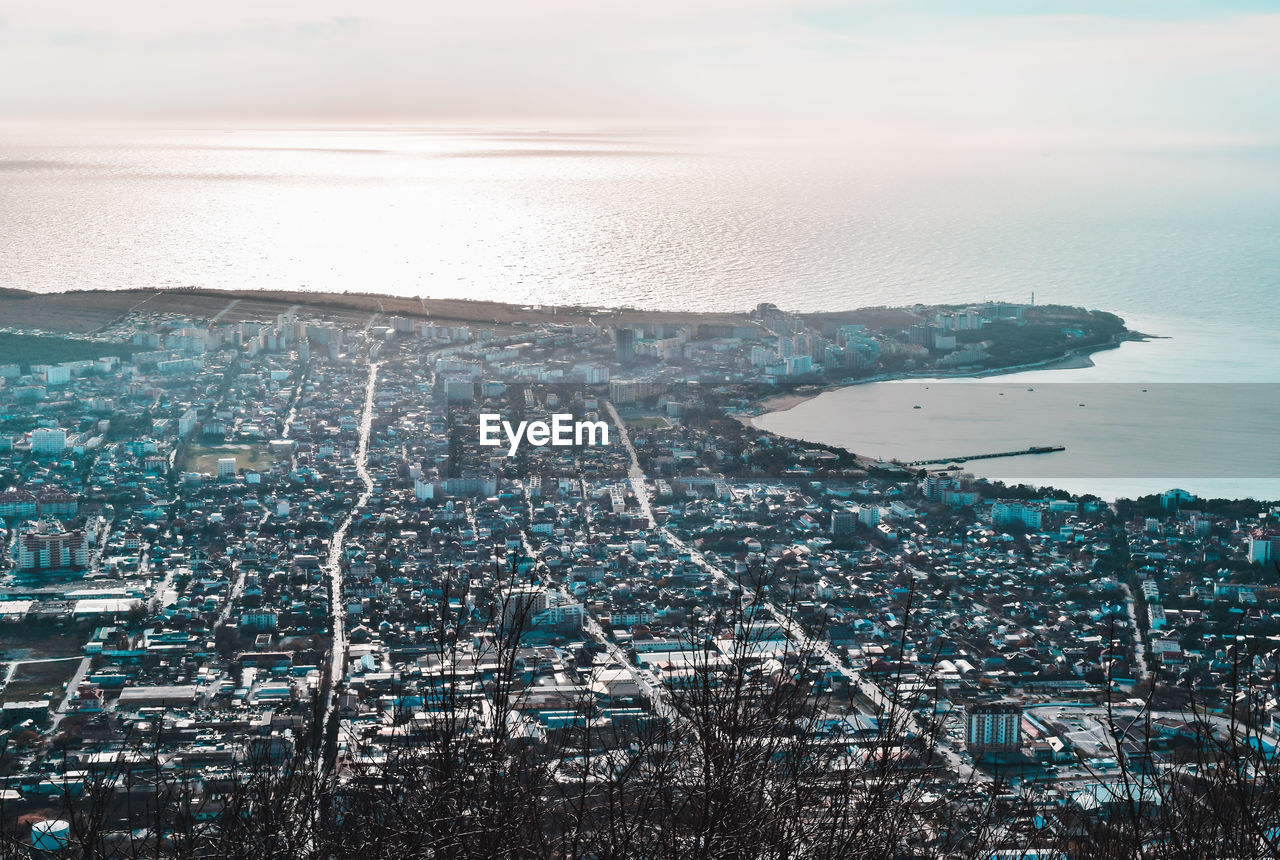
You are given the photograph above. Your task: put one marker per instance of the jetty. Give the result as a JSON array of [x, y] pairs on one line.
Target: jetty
[[1034, 449]]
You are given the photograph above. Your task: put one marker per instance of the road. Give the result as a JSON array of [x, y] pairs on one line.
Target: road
[[650, 689], [333, 565], [100, 547], [162, 588], [635, 474], [238, 587], [72, 686], [292, 414], [1139, 647], [898, 713]]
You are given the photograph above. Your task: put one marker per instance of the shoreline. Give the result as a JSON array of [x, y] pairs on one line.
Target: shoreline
[[786, 401], [1110, 489]]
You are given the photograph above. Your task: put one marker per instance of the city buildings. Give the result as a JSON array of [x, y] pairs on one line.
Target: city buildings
[[362, 554]]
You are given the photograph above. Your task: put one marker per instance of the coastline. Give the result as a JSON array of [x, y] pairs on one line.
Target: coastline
[[1072, 360]]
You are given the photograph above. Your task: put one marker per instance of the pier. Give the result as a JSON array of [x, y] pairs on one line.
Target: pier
[[1034, 449]]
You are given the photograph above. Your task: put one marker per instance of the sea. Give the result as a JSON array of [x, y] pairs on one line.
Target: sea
[[1184, 243]]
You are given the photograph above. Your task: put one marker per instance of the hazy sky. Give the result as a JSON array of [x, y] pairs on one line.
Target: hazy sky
[[1140, 70]]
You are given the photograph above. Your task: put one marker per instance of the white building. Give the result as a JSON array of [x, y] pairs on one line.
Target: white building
[[48, 441], [596, 374], [260, 619], [798, 365], [564, 617], [994, 727], [1014, 513], [45, 546], [532, 607], [459, 388], [1264, 548], [844, 522], [423, 490], [519, 604], [187, 422]]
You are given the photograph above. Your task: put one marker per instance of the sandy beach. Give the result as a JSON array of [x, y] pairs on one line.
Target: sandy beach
[[789, 400]]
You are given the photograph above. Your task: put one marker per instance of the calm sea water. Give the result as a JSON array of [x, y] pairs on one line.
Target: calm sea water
[[647, 220], [1197, 409], [1217, 440], [1183, 244]]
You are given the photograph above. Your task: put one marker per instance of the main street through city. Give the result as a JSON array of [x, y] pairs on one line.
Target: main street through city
[[333, 564]]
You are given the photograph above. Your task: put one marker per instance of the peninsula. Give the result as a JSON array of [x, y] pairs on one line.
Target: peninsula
[[809, 348]]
